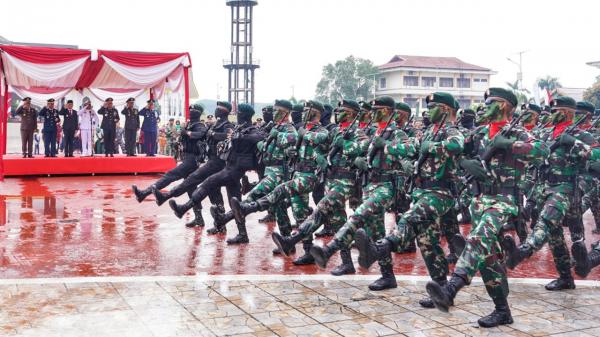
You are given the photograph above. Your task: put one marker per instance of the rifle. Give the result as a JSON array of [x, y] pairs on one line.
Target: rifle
[[268, 142], [569, 131], [373, 152], [299, 141], [595, 123], [335, 149]]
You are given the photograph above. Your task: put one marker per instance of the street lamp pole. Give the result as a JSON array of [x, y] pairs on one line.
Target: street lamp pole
[[520, 65]]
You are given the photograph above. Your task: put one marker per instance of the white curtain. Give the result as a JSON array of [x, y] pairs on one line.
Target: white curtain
[[143, 77], [55, 75], [119, 98], [40, 99]]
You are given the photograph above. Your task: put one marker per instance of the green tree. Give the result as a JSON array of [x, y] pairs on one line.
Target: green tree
[[351, 78], [592, 94], [551, 83], [522, 94]]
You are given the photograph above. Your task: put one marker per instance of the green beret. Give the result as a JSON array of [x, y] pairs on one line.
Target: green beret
[[531, 106], [298, 108], [501, 93], [563, 102], [283, 103], [197, 107], [403, 107], [386, 101], [365, 105], [350, 104], [315, 105], [225, 105], [468, 113], [246, 108], [586, 106], [443, 98]]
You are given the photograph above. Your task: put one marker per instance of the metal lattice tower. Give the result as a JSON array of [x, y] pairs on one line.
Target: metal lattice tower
[[241, 66]]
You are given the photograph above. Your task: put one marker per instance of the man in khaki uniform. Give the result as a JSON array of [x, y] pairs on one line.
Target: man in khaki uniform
[[28, 126]]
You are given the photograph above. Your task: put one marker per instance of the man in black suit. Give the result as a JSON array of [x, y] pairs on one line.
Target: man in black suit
[[70, 126]]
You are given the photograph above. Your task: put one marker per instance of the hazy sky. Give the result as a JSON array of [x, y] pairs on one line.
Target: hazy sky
[[294, 39]]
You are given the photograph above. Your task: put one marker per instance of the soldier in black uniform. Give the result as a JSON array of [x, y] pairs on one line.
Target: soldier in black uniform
[[240, 155], [28, 126], [110, 118], [297, 111], [132, 125], [70, 126], [51, 119]]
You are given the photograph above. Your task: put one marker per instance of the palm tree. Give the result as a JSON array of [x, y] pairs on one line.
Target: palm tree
[[551, 83], [522, 94]]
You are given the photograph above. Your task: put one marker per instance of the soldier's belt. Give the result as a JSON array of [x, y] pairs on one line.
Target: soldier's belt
[[341, 173], [274, 162], [305, 168], [495, 190], [426, 184], [556, 179], [380, 177]]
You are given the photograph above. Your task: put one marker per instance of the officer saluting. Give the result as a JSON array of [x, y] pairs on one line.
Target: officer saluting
[[70, 125], [109, 125], [132, 124], [28, 126], [51, 119], [150, 127]]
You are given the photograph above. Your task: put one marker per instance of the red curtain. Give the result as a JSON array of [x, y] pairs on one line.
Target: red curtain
[[44, 55]]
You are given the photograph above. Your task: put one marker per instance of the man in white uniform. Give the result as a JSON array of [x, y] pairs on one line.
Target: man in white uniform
[[88, 120]]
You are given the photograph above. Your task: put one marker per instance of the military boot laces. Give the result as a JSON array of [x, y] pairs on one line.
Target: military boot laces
[[140, 195], [580, 255], [160, 197], [322, 254], [387, 279], [198, 220], [369, 251], [287, 244], [180, 209], [347, 267], [443, 296], [500, 316], [562, 283], [307, 258]]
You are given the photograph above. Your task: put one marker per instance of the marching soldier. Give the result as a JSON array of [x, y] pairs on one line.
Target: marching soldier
[[28, 126], [110, 119], [70, 126], [150, 127], [51, 119], [132, 125]]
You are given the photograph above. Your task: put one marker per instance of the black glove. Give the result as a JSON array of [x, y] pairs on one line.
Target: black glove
[[567, 140], [474, 168], [501, 142]]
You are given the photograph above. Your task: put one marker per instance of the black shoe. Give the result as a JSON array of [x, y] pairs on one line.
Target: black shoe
[[238, 207], [106, 155], [112, 155], [198, 220], [238, 239], [140, 195], [160, 197], [217, 230], [307, 258], [286, 244], [514, 254], [443, 295], [322, 254], [277, 251], [370, 252], [386, 281], [24, 156], [219, 216], [500, 316], [30, 156], [427, 303], [325, 232], [267, 218], [580, 255], [561, 284], [180, 210], [347, 267]]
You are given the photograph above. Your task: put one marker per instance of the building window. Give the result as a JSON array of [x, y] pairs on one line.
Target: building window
[[463, 82], [428, 82], [412, 102], [382, 83], [464, 103], [446, 82], [482, 80], [411, 81]]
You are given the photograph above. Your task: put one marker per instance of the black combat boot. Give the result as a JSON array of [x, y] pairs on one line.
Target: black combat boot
[[160, 197], [198, 220], [220, 218], [562, 283], [443, 296], [594, 258], [347, 267], [140, 195], [387, 279], [500, 315], [580, 255], [241, 209], [242, 236], [326, 231], [368, 251], [411, 248], [267, 218], [307, 258], [514, 254], [286, 244], [180, 209], [427, 302], [322, 254]]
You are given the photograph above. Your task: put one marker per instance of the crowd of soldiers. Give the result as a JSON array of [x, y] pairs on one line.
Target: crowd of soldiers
[[499, 168]]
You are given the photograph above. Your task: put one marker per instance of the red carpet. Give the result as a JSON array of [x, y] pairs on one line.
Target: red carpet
[[15, 165]]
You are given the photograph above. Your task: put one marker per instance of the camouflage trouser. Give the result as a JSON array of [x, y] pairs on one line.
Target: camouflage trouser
[[555, 202], [591, 198], [482, 252], [423, 222], [370, 214], [295, 191], [332, 207], [273, 176]]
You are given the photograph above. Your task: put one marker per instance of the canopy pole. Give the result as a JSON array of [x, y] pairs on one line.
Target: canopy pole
[[186, 101], [3, 124]]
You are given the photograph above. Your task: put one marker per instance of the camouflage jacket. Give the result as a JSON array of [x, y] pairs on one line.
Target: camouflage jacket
[[398, 146], [355, 146], [568, 162], [314, 146], [442, 156], [286, 138]]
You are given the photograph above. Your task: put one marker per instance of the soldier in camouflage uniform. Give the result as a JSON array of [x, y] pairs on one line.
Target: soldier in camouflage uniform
[[281, 137], [365, 125], [436, 167], [386, 150], [310, 154], [506, 154], [568, 156], [348, 143]]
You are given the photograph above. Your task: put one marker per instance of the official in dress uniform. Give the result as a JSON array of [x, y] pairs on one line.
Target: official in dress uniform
[[28, 126], [110, 119], [70, 126], [132, 125], [51, 119], [150, 127], [88, 119]]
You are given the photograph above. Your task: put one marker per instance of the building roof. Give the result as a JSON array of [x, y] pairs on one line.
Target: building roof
[[410, 61]]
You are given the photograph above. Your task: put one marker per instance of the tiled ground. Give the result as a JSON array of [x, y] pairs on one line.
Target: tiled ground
[[279, 307]]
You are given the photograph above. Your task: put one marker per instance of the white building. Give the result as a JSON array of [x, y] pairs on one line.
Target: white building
[[411, 78]]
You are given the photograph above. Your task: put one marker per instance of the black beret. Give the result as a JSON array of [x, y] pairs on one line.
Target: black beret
[[27, 99], [468, 113], [130, 99], [365, 105], [50, 100], [246, 108], [403, 107], [109, 99], [70, 101], [298, 108], [502, 93], [327, 108], [386, 101], [442, 98], [315, 105], [586, 106], [350, 104], [268, 108], [563, 102], [531, 106], [225, 105], [284, 103]]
